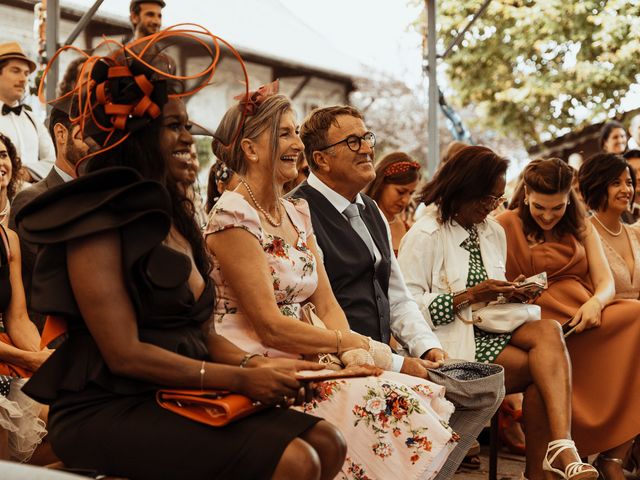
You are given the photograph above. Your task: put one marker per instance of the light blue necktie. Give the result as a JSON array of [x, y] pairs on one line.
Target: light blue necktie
[[352, 212]]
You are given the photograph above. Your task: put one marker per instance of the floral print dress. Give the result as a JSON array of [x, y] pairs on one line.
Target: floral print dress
[[395, 425]]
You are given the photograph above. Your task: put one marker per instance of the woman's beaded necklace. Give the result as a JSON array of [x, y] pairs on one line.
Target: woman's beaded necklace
[[5, 210], [613, 234], [266, 214]]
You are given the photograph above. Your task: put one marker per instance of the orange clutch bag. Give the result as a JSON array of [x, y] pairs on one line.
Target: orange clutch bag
[[211, 407]]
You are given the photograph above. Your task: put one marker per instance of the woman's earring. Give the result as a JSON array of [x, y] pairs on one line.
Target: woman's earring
[[526, 201]]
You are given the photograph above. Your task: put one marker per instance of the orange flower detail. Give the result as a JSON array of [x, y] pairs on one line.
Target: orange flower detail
[[276, 248]]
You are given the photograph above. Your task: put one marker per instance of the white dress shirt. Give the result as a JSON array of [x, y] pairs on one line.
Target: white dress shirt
[[407, 323], [32, 141]]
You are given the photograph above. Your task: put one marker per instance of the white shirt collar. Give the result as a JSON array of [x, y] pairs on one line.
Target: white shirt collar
[[64, 175], [339, 202], [15, 104], [461, 234]]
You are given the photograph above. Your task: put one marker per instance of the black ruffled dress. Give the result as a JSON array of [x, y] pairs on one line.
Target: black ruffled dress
[[109, 423]]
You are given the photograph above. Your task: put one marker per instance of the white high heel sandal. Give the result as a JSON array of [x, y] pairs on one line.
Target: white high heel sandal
[[574, 470]]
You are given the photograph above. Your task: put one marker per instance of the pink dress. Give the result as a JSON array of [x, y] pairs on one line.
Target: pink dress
[[627, 282], [395, 425]]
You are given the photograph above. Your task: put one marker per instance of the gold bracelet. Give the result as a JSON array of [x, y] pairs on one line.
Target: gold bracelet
[[202, 376], [248, 357], [338, 342]]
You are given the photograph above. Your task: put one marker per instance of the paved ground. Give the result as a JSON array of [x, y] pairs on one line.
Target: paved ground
[[510, 467]]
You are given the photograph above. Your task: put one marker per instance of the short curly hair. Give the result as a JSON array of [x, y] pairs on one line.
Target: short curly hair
[[597, 173], [16, 165]]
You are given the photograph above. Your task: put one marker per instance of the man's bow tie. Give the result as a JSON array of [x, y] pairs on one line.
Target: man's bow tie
[[6, 109]]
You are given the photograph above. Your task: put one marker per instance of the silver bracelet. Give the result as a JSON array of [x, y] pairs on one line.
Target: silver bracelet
[[248, 357], [202, 376]]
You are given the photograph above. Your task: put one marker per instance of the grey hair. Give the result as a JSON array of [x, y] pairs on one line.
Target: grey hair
[[266, 117]]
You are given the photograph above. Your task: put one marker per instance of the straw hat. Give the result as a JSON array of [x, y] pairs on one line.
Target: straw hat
[[13, 50]]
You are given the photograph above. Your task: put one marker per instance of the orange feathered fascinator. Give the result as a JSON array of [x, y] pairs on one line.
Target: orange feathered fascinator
[[400, 167], [251, 101], [120, 88]]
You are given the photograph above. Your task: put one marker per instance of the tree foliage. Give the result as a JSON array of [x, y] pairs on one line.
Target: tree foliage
[[538, 68], [397, 114]]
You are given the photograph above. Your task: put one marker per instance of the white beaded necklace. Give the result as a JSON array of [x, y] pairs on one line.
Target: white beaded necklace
[[266, 214], [613, 234], [5, 210]]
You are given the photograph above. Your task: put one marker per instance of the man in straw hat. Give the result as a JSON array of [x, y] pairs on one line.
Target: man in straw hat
[[17, 122]]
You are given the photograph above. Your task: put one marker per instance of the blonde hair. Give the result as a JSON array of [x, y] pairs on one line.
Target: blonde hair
[[266, 117]]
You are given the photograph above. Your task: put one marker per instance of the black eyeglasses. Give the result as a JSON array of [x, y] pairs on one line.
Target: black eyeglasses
[[354, 142]]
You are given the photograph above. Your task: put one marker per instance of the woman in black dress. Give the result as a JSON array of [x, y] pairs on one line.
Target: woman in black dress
[[123, 263]]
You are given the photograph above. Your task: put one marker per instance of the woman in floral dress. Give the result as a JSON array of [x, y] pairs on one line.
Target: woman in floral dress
[[263, 246]]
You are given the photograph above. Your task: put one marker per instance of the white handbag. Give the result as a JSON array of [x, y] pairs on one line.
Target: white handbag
[[505, 317]]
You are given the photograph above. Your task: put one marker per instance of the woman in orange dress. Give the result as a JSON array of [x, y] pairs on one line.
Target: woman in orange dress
[[546, 231]]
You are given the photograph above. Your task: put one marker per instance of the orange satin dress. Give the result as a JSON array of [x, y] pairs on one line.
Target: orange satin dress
[[606, 380]]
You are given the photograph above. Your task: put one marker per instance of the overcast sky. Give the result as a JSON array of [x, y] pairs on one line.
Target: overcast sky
[[373, 31]]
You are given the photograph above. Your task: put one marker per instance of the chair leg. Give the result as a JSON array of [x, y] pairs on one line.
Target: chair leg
[[494, 446]]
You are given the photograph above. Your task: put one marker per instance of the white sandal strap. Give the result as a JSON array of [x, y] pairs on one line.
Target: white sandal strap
[[560, 446], [577, 467], [573, 469]]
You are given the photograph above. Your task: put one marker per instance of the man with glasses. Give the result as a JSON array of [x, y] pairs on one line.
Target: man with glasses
[[355, 241]]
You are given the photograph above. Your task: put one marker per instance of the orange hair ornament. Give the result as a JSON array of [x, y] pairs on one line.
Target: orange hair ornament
[[122, 90], [251, 101]]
